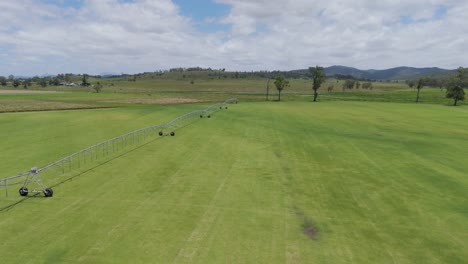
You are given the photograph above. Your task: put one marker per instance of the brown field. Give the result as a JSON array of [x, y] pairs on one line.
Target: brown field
[[25, 105]]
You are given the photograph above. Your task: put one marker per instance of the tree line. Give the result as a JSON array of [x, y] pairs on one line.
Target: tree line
[[454, 84], [58, 80], [318, 77]]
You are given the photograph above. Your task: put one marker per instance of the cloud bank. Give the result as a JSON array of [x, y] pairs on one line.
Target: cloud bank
[[38, 37]]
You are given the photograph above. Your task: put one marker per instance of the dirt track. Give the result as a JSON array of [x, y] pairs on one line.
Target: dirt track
[[26, 92], [165, 100]]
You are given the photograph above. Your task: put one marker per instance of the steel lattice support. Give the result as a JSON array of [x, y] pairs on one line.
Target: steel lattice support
[[105, 148]]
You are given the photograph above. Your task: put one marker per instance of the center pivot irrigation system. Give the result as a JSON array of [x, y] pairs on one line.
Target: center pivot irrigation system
[[31, 181]]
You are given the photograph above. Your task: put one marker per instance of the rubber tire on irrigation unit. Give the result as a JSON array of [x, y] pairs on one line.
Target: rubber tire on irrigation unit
[[209, 116], [201, 116], [160, 133], [23, 191], [226, 107], [48, 192], [172, 134]]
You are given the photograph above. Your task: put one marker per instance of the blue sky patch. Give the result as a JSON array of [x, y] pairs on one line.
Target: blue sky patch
[[205, 14], [65, 3], [406, 20], [439, 13], [74, 3]]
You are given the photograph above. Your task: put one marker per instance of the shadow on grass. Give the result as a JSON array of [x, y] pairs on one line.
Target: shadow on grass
[[307, 226]]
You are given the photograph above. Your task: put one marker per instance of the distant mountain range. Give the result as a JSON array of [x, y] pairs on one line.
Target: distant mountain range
[[399, 73], [344, 72]]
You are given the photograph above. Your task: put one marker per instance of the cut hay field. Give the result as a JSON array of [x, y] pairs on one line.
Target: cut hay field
[[264, 182]]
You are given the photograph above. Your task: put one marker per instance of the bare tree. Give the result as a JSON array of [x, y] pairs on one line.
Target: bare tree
[[419, 87]]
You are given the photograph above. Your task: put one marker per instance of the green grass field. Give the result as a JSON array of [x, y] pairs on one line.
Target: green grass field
[[264, 182], [82, 98]]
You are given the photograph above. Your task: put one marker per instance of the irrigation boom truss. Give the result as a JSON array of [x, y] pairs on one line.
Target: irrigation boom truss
[[102, 149]]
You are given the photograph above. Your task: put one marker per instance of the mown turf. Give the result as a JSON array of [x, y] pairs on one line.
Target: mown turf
[[330, 182]]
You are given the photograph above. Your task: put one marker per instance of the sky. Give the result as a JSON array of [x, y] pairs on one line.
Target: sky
[[39, 37]]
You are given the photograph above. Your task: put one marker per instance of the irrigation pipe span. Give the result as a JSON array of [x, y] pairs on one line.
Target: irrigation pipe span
[[102, 149]]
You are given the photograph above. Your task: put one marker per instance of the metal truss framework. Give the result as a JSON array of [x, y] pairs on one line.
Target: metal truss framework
[[103, 149]]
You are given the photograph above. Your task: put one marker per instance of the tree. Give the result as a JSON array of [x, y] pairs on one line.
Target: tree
[[318, 76], [268, 87], [410, 83], [330, 88], [349, 84], [358, 84], [419, 87], [456, 92], [367, 85], [54, 81], [26, 83], [98, 87], [67, 77], [455, 86], [43, 82], [84, 81], [11, 77], [280, 83], [462, 76], [441, 83], [3, 81], [16, 83]]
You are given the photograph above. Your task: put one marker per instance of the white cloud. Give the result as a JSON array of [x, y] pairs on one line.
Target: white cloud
[[366, 34], [101, 36], [145, 35]]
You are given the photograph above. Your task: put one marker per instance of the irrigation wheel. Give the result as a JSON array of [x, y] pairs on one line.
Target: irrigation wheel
[[23, 191], [48, 192]]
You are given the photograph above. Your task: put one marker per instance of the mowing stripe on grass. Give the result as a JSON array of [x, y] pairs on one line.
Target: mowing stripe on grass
[[74, 162]]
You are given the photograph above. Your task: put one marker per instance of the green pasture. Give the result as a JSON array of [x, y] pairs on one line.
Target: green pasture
[[203, 84], [149, 93], [264, 182], [202, 87]]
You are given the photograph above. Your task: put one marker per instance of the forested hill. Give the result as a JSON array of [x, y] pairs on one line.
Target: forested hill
[[399, 73], [339, 72]]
